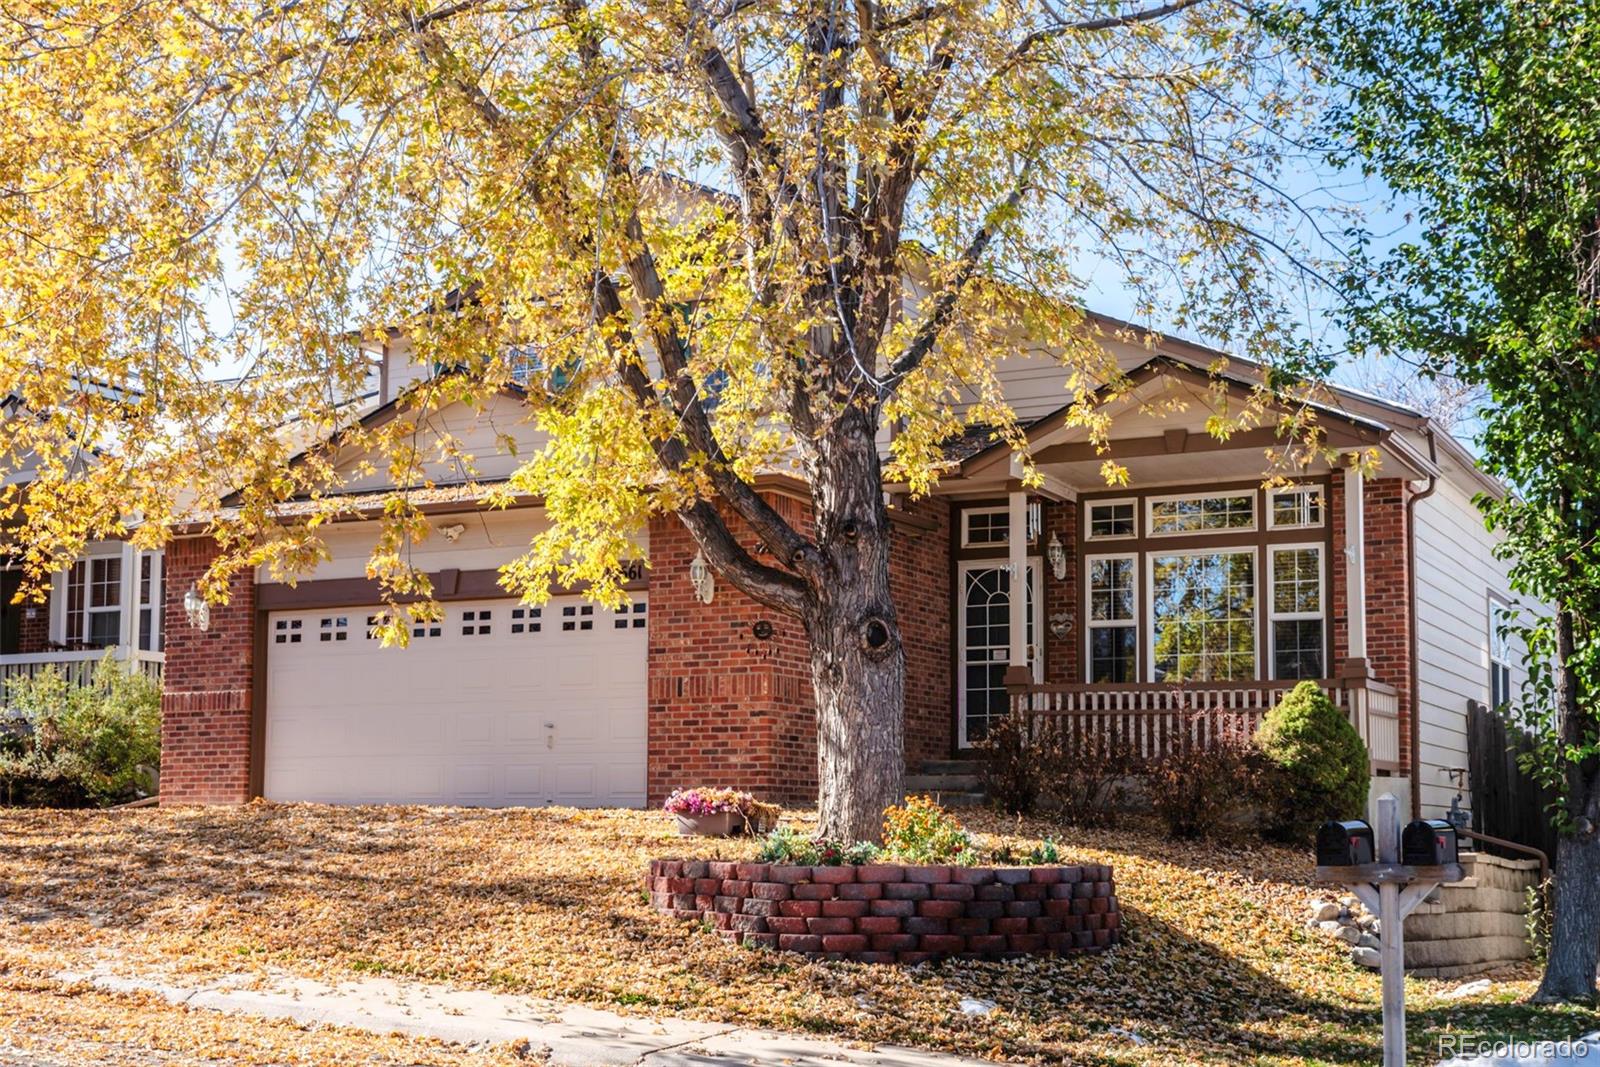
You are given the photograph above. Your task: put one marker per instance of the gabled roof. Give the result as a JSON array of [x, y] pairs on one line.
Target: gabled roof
[[1345, 427]]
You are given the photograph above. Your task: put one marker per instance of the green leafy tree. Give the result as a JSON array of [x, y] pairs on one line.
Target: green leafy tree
[[1317, 762], [1485, 115]]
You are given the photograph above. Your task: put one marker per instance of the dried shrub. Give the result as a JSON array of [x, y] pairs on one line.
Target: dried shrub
[[1010, 766], [1086, 775], [1194, 790]]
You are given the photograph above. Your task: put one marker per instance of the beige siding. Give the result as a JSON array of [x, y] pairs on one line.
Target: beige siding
[[478, 437], [1456, 573], [488, 539]]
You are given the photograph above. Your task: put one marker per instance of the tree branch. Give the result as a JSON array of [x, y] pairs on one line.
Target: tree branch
[[944, 305], [769, 585], [1110, 22]]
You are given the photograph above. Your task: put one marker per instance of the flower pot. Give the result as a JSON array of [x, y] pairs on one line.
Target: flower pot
[[720, 824]]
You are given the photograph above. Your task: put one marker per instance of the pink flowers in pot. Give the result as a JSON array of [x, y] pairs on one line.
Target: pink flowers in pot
[[701, 800], [704, 802]]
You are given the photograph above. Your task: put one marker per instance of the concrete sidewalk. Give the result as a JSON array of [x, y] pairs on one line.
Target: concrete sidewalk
[[565, 1035]]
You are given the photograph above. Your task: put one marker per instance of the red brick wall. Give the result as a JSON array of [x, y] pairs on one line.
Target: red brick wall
[[1388, 590], [35, 631], [885, 913], [919, 582], [1061, 655], [728, 709], [206, 686], [725, 708]]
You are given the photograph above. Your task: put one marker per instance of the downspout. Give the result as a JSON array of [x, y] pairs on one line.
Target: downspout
[[1414, 757]]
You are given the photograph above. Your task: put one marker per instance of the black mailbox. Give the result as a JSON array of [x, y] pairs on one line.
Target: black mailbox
[[1428, 843], [1344, 844]]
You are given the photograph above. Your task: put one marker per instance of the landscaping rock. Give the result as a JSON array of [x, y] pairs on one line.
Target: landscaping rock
[[976, 1006], [1366, 957], [1470, 989], [1324, 911]]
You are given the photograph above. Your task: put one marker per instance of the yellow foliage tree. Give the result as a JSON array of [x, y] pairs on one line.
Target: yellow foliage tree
[[827, 216]]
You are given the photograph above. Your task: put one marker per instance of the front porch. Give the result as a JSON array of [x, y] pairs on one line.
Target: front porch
[[1186, 604], [1151, 719], [107, 603]]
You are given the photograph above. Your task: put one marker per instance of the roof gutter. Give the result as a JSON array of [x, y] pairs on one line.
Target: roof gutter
[[1414, 757]]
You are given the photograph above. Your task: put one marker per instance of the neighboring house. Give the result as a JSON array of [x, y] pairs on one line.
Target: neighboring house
[[1382, 586], [109, 602]]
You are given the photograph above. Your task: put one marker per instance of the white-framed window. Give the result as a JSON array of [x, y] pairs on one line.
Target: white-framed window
[[1112, 633], [1295, 507], [1108, 520], [1500, 654], [1201, 513], [1203, 615], [152, 597], [1296, 634], [93, 617], [985, 526]]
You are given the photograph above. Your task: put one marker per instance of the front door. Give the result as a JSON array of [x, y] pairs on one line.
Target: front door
[[984, 645]]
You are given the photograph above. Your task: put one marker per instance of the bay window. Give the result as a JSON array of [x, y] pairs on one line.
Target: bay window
[[1202, 616], [1209, 585]]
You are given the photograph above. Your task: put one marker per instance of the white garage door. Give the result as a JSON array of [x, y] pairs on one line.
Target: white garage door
[[495, 704]]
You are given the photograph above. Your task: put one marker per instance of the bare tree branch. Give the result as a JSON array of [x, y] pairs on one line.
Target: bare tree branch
[[944, 304]]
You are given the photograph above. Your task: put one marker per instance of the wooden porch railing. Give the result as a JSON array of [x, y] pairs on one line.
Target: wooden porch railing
[[1152, 719], [78, 665]]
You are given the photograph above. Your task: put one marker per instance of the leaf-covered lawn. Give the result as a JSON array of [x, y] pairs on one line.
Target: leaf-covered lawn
[[1216, 967]]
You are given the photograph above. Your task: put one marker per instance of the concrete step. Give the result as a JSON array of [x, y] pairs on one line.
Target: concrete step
[[949, 766], [946, 783], [954, 799]]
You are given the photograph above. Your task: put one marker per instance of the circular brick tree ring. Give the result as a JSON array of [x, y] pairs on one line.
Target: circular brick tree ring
[[888, 913]]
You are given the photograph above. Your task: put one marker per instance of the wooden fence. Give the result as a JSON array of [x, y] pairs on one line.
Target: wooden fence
[[1505, 801]]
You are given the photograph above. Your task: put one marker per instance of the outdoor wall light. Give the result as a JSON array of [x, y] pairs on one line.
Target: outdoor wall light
[[1056, 553], [197, 608], [700, 576]]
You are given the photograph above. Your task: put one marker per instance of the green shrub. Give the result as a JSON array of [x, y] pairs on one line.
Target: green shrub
[[65, 745], [1317, 764]]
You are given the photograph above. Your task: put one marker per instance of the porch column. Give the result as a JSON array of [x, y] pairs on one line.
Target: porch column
[[1355, 569], [128, 632], [1017, 672]]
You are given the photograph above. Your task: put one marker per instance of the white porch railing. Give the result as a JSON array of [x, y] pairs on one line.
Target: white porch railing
[[78, 666], [1154, 718]]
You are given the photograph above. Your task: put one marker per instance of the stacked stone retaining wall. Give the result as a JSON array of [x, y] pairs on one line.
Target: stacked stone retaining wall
[[886, 913]]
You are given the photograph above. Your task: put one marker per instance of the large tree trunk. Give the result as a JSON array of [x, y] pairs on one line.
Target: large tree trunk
[[1575, 937], [857, 659]]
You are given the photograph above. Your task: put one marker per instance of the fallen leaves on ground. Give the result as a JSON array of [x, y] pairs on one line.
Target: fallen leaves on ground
[[1217, 965]]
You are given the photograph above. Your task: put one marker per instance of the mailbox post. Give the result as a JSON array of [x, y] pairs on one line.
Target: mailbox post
[[1391, 890]]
